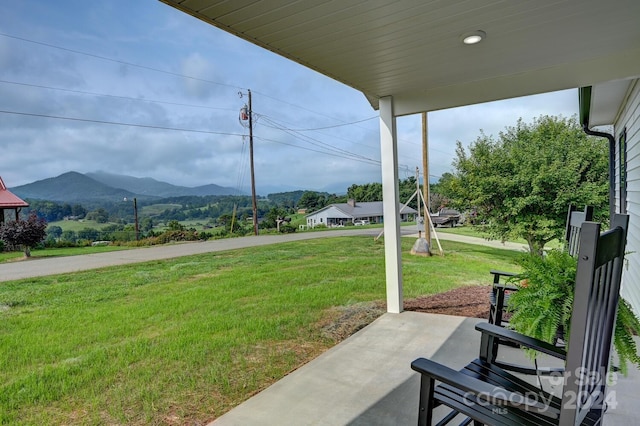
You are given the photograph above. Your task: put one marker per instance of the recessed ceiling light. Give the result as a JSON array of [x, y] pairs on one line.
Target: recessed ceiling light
[[473, 37]]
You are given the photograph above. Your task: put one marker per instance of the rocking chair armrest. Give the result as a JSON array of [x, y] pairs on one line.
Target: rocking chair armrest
[[497, 273], [503, 287], [475, 388], [522, 340]]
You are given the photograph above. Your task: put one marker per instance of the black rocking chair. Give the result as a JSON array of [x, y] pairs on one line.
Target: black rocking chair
[[500, 292], [487, 394]]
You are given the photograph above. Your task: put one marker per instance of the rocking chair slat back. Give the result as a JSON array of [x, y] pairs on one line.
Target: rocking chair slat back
[[575, 219], [595, 304]]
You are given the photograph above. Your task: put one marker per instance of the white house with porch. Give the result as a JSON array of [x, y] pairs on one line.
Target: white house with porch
[[339, 214]]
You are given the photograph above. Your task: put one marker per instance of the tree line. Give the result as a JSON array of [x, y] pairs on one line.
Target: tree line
[[518, 184], [210, 207]]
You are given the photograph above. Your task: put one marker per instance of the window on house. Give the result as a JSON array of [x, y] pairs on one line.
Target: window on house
[[622, 169]]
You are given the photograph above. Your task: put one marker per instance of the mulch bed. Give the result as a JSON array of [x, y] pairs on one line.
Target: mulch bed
[[468, 301]]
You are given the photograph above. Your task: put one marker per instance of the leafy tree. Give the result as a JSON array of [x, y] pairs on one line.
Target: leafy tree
[[89, 234], [286, 199], [100, 215], [373, 192], [443, 193], [523, 182], [78, 210], [365, 193], [226, 220], [174, 225], [54, 232], [272, 217], [311, 200], [335, 199], [407, 188], [26, 233], [113, 227], [49, 210], [146, 224], [69, 235]]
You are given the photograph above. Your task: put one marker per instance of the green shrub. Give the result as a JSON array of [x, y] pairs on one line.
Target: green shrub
[[287, 229], [542, 306]]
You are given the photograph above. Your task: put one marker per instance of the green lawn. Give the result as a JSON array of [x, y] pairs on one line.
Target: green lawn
[[197, 224], [477, 231], [156, 209], [78, 225], [469, 231], [182, 341], [59, 252]]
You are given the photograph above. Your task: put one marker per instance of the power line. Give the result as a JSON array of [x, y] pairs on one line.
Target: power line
[[334, 126], [362, 160], [349, 157], [117, 61], [316, 142], [92, 55], [242, 168], [298, 106], [104, 58], [112, 96], [116, 123], [278, 126]]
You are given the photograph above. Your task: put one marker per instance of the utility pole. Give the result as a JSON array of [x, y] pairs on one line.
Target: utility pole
[[254, 204], [418, 199], [249, 116], [425, 179], [135, 217]]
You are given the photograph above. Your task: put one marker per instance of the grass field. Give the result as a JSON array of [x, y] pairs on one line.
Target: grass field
[[477, 231], [77, 225], [59, 252], [156, 209], [470, 231], [182, 341]]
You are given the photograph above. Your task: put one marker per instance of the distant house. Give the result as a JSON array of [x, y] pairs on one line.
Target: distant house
[[342, 213], [9, 201]]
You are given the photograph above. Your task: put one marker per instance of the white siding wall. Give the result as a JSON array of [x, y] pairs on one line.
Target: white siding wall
[[322, 216], [629, 119]]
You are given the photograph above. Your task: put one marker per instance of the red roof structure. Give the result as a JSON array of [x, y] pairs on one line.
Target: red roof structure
[[9, 201]]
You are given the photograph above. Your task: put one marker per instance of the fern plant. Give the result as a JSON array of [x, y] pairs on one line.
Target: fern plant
[[542, 306], [627, 324]]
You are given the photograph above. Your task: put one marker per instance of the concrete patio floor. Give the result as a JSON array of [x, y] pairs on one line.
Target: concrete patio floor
[[367, 379]]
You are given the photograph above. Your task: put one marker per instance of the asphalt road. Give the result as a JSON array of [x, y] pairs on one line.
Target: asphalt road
[[38, 267]]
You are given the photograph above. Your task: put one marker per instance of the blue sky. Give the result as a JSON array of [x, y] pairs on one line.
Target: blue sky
[[68, 68]]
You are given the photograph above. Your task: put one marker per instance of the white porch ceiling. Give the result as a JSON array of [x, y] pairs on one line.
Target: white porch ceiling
[[411, 49]]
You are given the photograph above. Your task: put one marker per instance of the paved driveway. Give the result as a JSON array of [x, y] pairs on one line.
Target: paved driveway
[[39, 267]]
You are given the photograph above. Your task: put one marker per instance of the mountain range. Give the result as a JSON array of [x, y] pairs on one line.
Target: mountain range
[[101, 186]]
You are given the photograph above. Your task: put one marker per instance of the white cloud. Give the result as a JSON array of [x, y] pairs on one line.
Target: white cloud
[[158, 38]]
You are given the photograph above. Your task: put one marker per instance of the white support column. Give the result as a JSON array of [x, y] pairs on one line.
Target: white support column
[[390, 205]]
